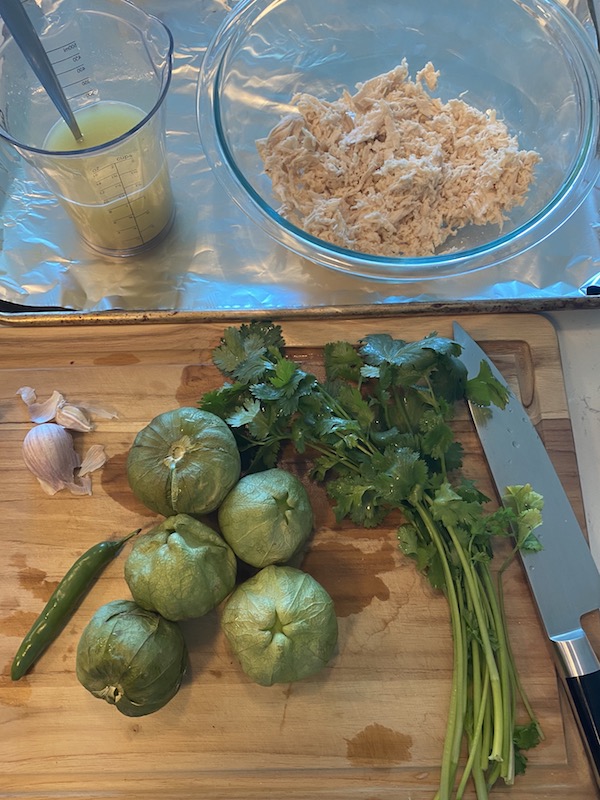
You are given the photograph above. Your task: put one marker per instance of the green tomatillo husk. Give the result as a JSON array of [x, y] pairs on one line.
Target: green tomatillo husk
[[183, 462], [281, 625], [181, 568], [131, 658], [266, 517]]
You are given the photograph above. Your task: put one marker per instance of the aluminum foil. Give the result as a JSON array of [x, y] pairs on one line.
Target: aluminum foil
[[216, 260]]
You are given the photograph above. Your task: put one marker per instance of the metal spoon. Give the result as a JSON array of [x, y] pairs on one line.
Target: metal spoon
[[25, 35]]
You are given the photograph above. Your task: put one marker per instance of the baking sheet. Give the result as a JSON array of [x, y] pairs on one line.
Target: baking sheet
[[216, 260]]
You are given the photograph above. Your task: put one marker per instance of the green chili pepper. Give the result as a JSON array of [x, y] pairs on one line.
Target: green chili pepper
[[63, 603]]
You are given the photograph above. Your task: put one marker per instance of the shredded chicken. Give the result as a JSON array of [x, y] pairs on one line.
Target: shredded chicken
[[391, 170]]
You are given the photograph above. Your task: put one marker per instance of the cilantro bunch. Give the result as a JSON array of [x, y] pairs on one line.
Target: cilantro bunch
[[378, 431]]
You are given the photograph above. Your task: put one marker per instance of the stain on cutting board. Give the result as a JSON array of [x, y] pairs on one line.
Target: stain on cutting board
[[116, 360], [33, 579], [378, 746], [350, 575], [17, 623]]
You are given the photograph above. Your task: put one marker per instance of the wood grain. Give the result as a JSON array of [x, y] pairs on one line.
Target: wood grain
[[371, 725]]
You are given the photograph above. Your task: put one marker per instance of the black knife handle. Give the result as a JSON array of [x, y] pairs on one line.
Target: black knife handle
[[584, 694], [580, 669]]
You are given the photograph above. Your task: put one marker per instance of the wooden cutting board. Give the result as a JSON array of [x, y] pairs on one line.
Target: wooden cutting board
[[371, 725]]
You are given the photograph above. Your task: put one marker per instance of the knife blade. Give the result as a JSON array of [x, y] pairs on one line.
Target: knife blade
[[563, 575]]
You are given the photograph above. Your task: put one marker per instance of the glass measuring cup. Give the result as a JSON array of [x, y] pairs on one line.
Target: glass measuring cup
[[114, 63]]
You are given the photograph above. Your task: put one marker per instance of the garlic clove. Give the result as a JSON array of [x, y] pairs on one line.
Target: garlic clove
[[72, 417], [40, 412], [93, 459], [75, 416], [49, 454]]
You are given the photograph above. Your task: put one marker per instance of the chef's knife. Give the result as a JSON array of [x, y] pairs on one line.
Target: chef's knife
[[563, 575]]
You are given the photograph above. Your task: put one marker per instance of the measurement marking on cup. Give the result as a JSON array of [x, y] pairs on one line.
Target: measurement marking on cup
[[116, 175], [69, 54], [68, 85], [127, 187]]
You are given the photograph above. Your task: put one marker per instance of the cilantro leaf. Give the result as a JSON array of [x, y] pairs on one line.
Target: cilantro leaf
[[353, 403], [527, 736], [244, 414], [454, 456], [399, 474], [524, 738], [342, 361], [378, 348], [284, 386], [412, 359], [224, 400], [485, 389], [424, 554], [449, 378], [241, 358], [437, 435], [348, 430], [244, 353], [285, 373], [527, 506], [451, 509], [354, 498]]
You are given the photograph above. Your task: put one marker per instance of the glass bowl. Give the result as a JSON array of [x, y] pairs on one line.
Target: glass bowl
[[532, 62]]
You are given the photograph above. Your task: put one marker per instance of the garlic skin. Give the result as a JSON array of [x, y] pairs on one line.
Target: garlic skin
[[40, 412], [93, 459], [56, 407], [49, 454]]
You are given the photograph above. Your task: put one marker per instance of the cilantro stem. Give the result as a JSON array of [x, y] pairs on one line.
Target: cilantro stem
[[455, 722], [515, 677], [508, 764], [495, 683], [400, 404], [481, 787], [493, 775], [486, 734], [326, 450], [436, 405], [475, 743]]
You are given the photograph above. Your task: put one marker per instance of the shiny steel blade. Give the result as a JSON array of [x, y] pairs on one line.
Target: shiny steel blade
[[563, 575]]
